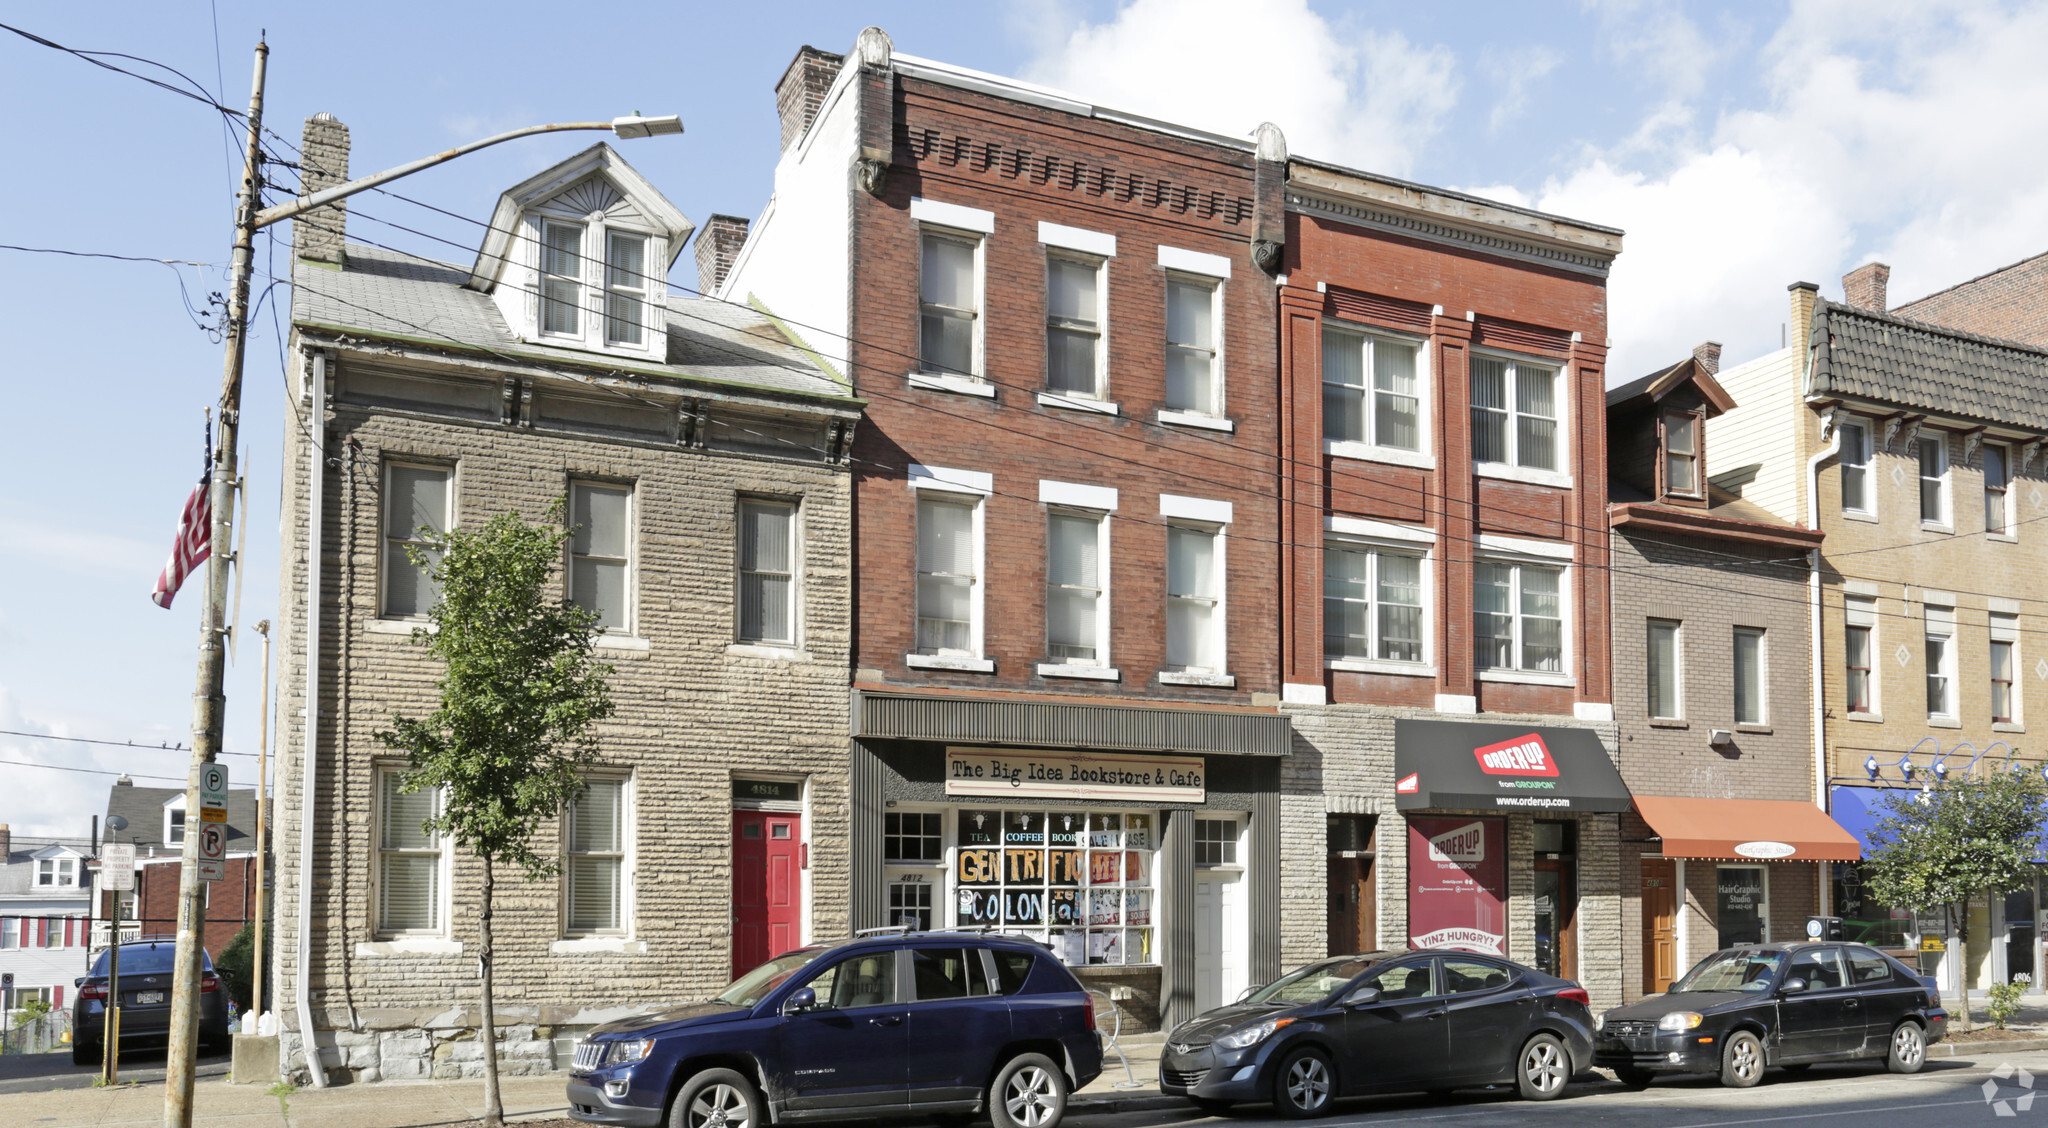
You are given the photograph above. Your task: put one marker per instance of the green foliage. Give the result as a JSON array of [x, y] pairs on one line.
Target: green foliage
[[237, 963], [520, 697], [30, 1011], [2005, 999], [1959, 839]]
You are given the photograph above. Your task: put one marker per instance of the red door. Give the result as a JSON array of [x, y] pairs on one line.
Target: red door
[[767, 889]]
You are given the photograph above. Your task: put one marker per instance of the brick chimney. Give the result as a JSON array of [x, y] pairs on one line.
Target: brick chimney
[[1707, 354], [801, 92], [718, 245], [1864, 286], [319, 235], [6, 842]]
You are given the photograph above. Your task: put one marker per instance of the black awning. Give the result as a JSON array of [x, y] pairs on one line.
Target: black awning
[[1451, 765]]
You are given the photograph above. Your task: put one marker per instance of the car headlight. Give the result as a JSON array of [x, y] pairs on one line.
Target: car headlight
[[1599, 1022], [1251, 1035], [1678, 1020], [626, 1053]]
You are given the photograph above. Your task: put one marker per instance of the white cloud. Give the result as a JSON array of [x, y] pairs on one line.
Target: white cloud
[[1658, 38], [84, 549], [1519, 69]]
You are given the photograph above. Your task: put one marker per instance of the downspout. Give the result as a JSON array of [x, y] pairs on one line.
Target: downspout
[[316, 475], [1833, 435]]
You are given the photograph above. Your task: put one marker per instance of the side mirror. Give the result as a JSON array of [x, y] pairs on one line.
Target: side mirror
[[79, 982], [1793, 986], [801, 1000], [1363, 997], [1250, 991]]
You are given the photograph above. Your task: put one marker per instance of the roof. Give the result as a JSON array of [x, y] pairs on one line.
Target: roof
[[17, 875], [641, 200], [1725, 517], [1866, 355], [385, 293], [143, 807], [1655, 386]]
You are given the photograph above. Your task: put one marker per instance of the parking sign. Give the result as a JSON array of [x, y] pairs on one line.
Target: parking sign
[[213, 851], [213, 793]]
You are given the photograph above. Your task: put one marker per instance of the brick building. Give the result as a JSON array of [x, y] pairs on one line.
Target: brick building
[[702, 458], [1065, 513], [1714, 716], [156, 828], [1916, 449], [2009, 303]]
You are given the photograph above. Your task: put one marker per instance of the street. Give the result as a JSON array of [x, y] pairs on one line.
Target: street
[[42, 1073]]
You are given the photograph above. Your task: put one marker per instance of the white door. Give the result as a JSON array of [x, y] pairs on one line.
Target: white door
[[1220, 958]]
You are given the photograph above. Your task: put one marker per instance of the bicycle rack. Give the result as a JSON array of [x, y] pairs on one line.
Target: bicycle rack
[[1107, 1010]]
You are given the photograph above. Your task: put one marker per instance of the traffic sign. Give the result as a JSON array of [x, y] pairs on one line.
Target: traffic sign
[[213, 793], [213, 851], [117, 866]]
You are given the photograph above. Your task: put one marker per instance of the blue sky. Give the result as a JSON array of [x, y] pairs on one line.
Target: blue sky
[[1741, 146]]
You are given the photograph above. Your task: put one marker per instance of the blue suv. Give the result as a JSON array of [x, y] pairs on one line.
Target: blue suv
[[935, 1023]]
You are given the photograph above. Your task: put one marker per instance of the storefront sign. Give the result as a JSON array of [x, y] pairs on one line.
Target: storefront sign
[[1022, 773], [1455, 765], [1765, 849], [1457, 884]]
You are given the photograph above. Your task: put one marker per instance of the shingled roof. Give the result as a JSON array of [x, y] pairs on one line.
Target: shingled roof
[[1865, 355], [143, 807]]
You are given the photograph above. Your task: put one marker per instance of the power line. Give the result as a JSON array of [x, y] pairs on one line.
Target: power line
[[87, 771], [98, 59], [158, 747]]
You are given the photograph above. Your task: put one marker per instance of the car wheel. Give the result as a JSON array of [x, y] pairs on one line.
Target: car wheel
[[1909, 1049], [84, 1053], [1030, 1092], [1637, 1079], [1543, 1068], [1304, 1085], [1212, 1107], [717, 1098], [1742, 1060]]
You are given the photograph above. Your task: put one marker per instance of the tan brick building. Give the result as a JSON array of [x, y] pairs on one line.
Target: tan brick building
[[702, 456]]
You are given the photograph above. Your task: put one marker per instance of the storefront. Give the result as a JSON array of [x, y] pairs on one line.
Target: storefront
[[1140, 845]]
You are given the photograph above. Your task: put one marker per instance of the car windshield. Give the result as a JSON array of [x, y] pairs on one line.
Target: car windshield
[[755, 985], [146, 959], [1733, 971], [1311, 984]]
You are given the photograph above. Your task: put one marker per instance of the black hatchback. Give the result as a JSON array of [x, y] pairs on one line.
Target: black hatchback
[[1742, 1010], [1432, 1020], [145, 1002]]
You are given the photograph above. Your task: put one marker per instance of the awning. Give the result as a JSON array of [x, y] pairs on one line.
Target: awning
[[1855, 809], [1451, 765], [1762, 829]]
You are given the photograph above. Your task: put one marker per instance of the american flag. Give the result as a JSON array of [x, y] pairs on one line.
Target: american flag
[[195, 536]]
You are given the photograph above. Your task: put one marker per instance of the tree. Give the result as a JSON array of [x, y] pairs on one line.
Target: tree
[[1952, 842], [520, 701]]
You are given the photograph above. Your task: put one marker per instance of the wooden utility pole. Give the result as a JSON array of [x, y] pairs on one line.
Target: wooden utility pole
[[262, 821]]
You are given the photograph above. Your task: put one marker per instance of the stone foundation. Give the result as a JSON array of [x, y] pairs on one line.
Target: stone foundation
[[393, 1044]]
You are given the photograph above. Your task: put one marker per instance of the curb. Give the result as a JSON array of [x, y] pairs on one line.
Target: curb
[[1947, 1049], [1135, 1100]]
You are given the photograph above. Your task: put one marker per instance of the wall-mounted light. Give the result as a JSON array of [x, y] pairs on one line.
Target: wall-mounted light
[[1870, 765], [1720, 738]]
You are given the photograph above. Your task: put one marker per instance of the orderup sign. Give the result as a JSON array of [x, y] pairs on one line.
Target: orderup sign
[[1451, 765], [1457, 884]]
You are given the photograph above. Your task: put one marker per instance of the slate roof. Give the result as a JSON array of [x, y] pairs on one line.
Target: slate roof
[[388, 294], [143, 807], [17, 874], [1868, 355]]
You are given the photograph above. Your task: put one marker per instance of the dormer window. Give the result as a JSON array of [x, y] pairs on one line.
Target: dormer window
[[174, 821], [58, 873], [1681, 453], [561, 277], [625, 288]]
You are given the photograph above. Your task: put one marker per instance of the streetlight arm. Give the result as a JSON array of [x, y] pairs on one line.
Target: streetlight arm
[[625, 127]]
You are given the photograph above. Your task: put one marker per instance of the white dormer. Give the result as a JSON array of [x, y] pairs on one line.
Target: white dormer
[[578, 256], [174, 820], [57, 867]]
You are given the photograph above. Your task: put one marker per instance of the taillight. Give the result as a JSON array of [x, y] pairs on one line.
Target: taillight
[[1577, 995], [212, 983], [1091, 1020], [92, 991]]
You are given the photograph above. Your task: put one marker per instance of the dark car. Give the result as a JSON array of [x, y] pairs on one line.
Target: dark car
[[1742, 1010], [1432, 1020], [946, 1023], [145, 1001]]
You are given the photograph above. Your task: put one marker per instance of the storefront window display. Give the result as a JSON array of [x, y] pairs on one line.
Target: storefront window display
[[1865, 920]]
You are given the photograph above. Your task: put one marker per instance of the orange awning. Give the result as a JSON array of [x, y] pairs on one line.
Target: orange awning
[[1735, 829]]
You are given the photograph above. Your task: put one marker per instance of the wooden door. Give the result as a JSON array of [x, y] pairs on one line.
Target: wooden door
[[767, 887], [1660, 925], [1353, 925]]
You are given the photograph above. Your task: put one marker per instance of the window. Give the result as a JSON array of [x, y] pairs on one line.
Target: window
[[910, 902], [1855, 464], [1663, 669], [1514, 413], [1403, 981], [1867, 967], [1681, 454], [600, 565], [60, 873], [415, 500], [1191, 346], [1073, 326], [596, 865], [1519, 613], [948, 566], [1463, 976], [1075, 602], [1194, 600], [913, 836], [866, 980], [1997, 515], [625, 288], [1372, 605], [948, 304], [10, 932], [1215, 842], [1012, 969], [2005, 635], [1860, 619], [767, 579], [1371, 391], [1820, 967], [1933, 454], [561, 277], [174, 824], [408, 859], [1079, 882], [1749, 676], [53, 931], [948, 973], [1941, 662]]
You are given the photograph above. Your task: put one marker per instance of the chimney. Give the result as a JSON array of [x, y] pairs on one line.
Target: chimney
[[718, 245], [1804, 294], [318, 235], [1707, 354], [1864, 286], [801, 92], [6, 842], [124, 781]]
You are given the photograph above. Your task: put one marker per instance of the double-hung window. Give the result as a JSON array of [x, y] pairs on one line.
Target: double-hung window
[[948, 570], [1191, 352], [1749, 676], [1372, 391], [2005, 640], [949, 303], [1372, 605], [1076, 587], [561, 278], [600, 553], [1859, 648], [59, 873], [595, 868], [767, 571], [1194, 599], [174, 822], [416, 500], [1518, 613], [1665, 676], [625, 288], [1941, 662], [1855, 469], [408, 858], [1997, 489], [1681, 453], [1514, 413], [1073, 326], [1933, 459]]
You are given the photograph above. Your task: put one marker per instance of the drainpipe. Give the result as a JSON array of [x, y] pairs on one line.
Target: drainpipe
[[1833, 434], [309, 746]]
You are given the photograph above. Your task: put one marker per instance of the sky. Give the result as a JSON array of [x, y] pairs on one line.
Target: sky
[[1741, 147]]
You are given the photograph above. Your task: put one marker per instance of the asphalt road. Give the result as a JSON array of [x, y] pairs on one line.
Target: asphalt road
[[1948, 1092], [41, 1073]]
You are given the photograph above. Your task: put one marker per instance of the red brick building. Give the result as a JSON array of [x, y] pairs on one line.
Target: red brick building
[[156, 828], [2010, 302]]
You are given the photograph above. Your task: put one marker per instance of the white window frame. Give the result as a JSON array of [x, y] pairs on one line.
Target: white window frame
[[593, 285], [1102, 666], [2000, 497], [1859, 612], [541, 277], [1939, 625], [628, 821], [1421, 550], [629, 627], [1219, 621], [1763, 676], [1696, 423], [175, 803], [974, 382], [1099, 394], [1214, 410], [970, 489], [1370, 448], [1677, 628], [385, 540], [443, 901], [796, 571], [1520, 553], [1943, 480], [2005, 631], [636, 289], [63, 873], [1564, 399], [1862, 469], [1230, 847]]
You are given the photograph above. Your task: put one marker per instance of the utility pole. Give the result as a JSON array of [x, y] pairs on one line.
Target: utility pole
[[209, 699], [262, 824]]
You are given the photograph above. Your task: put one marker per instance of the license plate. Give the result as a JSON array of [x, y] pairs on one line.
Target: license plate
[[145, 997]]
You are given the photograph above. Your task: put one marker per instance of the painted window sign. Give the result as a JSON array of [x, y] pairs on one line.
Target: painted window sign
[[1079, 881], [1457, 892]]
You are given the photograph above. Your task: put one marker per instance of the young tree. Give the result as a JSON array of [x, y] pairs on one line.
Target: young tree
[[1953, 842], [520, 700]]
